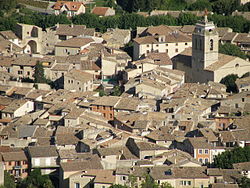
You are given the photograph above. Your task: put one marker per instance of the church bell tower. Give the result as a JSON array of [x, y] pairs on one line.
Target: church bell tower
[[204, 44]]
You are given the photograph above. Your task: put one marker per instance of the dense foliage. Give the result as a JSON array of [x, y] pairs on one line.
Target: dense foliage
[[149, 5], [229, 82], [236, 155], [237, 23], [7, 5], [243, 182], [225, 7], [36, 180], [122, 21], [150, 183], [39, 73], [9, 181], [231, 49], [118, 186]]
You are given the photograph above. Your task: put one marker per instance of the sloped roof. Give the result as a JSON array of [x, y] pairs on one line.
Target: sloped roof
[[128, 104], [243, 38], [8, 34], [74, 30], [92, 163], [146, 40], [72, 6], [107, 101], [26, 131], [222, 60], [75, 42], [14, 156], [42, 151], [100, 11], [79, 75]]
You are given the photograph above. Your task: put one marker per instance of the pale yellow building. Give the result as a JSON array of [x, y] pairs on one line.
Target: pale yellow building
[[78, 80], [72, 46], [161, 39]]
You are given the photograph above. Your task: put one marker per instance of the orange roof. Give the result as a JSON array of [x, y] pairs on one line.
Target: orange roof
[[73, 6], [100, 11]]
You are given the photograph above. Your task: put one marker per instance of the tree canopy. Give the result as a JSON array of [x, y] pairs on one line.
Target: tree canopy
[[39, 73], [7, 5], [9, 181], [200, 5], [36, 180], [231, 49], [229, 82], [225, 7], [236, 155]]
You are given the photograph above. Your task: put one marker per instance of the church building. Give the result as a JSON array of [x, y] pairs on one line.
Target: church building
[[202, 62]]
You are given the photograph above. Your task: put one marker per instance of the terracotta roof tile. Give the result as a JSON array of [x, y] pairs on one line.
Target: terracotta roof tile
[[100, 11]]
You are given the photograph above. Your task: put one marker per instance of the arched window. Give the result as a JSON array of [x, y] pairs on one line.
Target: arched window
[[200, 44], [211, 44]]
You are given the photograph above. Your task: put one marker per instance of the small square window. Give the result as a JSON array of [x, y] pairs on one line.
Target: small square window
[[176, 50], [200, 151], [206, 151]]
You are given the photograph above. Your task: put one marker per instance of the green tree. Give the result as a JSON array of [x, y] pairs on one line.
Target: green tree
[[7, 4], [116, 91], [187, 19], [88, 19], [226, 159], [39, 73], [118, 186], [225, 6], [229, 82], [9, 181], [149, 182], [128, 21], [132, 180], [110, 3], [246, 75], [101, 91], [237, 23], [7, 23], [36, 180], [200, 5], [161, 19], [166, 185], [174, 5], [243, 182], [231, 49], [245, 7]]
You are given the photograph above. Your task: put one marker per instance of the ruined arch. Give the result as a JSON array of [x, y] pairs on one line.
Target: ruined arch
[[33, 46]]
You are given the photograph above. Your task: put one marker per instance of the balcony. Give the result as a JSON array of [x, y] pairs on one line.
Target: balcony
[[17, 167]]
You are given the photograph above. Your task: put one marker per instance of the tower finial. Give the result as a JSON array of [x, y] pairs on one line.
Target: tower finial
[[205, 15]]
